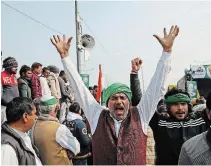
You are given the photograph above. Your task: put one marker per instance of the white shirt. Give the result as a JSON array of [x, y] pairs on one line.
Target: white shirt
[[146, 106], [8, 154], [66, 139], [45, 88], [117, 125]]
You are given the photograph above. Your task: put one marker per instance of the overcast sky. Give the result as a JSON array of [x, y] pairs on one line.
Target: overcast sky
[[124, 28]]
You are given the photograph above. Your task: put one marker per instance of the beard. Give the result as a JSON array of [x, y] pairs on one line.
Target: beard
[[179, 115], [13, 71]]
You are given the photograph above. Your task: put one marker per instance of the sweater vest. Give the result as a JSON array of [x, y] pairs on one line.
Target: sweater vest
[[51, 153], [130, 146]]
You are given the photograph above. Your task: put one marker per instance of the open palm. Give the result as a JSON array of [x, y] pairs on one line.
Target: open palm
[[61, 45], [168, 39]]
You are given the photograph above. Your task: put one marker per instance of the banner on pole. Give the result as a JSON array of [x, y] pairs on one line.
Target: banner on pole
[[85, 78], [201, 71]]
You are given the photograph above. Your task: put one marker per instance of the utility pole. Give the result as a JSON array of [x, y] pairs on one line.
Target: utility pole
[[78, 39]]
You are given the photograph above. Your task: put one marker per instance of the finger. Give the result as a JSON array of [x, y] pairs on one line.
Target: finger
[[69, 40], [64, 38], [164, 31], [140, 61], [55, 38], [58, 38], [176, 30], [137, 59], [171, 30], [53, 41], [157, 37], [133, 62]]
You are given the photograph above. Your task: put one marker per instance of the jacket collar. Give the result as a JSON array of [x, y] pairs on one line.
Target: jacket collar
[[8, 130], [73, 116], [23, 80], [47, 117]]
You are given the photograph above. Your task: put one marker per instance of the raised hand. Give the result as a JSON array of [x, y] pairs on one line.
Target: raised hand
[[62, 46], [136, 64], [168, 39]]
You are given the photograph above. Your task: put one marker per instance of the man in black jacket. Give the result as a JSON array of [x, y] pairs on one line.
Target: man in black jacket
[[179, 125]]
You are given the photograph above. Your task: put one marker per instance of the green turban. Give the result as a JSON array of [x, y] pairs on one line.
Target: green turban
[[114, 89], [177, 98]]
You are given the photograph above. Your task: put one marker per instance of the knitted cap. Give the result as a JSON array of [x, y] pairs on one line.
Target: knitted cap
[[9, 63]]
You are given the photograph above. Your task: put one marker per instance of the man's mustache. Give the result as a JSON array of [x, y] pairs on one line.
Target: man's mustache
[[180, 112], [119, 106]]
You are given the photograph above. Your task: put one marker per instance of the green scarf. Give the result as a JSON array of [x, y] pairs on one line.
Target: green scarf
[[177, 98], [114, 89]]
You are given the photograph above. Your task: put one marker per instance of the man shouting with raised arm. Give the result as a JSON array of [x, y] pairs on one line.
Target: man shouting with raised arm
[[119, 133]]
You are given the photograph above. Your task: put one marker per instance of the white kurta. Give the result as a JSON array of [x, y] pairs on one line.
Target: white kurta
[[146, 106]]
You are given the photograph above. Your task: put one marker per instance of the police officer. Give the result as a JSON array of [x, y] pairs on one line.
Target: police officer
[[75, 124]]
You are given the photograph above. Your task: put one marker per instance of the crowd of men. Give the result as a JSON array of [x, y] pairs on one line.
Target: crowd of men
[[49, 117], [40, 85]]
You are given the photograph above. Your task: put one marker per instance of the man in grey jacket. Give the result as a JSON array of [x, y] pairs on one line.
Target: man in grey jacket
[[24, 82], [16, 146], [66, 97], [197, 150]]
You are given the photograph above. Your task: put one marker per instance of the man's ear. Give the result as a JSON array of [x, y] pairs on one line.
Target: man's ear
[[25, 117]]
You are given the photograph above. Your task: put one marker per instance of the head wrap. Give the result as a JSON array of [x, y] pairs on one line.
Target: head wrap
[[177, 98], [9, 63], [53, 69], [114, 89]]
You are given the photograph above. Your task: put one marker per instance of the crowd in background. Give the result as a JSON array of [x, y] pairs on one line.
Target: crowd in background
[[40, 83], [48, 119]]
